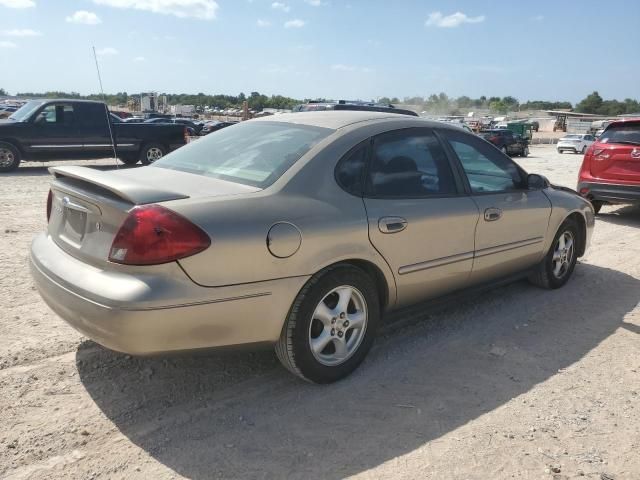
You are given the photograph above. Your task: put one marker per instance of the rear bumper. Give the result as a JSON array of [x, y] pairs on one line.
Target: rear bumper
[[148, 314], [609, 192]]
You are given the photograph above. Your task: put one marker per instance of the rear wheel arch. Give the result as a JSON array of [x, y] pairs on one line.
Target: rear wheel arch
[[15, 144]]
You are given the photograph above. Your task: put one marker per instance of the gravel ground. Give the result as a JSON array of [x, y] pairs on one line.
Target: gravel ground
[[514, 383]]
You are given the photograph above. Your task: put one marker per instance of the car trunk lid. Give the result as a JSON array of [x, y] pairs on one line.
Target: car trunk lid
[[88, 206]]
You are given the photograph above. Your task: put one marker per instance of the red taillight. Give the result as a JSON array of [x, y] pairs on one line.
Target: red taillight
[[152, 234], [49, 205], [493, 139], [185, 132]]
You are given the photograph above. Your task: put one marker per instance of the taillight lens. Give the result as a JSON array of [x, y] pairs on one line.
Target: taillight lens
[[49, 205], [185, 132], [152, 234]]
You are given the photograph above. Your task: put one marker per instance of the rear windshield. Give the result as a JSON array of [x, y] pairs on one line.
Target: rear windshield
[[250, 153], [622, 134]]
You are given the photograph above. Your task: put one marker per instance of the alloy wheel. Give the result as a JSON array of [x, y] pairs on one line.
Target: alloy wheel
[[338, 325], [563, 254], [6, 158], [153, 154]]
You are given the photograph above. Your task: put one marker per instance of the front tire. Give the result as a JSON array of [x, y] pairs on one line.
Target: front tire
[[558, 264], [331, 325], [152, 152], [9, 157]]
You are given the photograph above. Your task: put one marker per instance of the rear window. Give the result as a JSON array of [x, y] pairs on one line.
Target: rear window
[[250, 153], [622, 134]]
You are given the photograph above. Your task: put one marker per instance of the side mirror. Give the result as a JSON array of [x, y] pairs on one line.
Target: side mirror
[[537, 182]]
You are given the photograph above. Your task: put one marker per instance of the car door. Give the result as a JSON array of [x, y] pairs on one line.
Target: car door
[[94, 130], [513, 219], [419, 218], [55, 132]]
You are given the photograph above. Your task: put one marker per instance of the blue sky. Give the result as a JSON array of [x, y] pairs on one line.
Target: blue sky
[[536, 50]]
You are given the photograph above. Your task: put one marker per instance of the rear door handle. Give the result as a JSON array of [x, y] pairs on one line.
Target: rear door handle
[[492, 214], [392, 224]]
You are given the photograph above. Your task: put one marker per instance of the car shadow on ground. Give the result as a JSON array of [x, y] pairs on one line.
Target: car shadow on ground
[[239, 415], [628, 215], [40, 169]]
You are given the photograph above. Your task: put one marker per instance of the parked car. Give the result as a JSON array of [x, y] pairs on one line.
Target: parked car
[[506, 141], [80, 129], [576, 143], [353, 105], [214, 126], [193, 127], [610, 172], [298, 232]]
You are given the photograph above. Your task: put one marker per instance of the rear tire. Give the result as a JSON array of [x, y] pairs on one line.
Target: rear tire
[[10, 157], [151, 152], [558, 264], [319, 318]]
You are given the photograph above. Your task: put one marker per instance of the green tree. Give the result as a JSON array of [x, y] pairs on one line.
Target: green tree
[[591, 104], [3, 92]]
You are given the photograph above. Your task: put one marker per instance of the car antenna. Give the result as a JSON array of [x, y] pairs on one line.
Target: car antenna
[[106, 109]]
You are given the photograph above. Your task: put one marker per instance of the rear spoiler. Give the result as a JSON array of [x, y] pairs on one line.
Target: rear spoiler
[[137, 193]]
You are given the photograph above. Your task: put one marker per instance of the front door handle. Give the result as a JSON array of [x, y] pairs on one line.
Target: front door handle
[[492, 214], [392, 224]]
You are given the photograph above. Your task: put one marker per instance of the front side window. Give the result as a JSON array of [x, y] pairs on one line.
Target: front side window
[[409, 163], [487, 170], [252, 153]]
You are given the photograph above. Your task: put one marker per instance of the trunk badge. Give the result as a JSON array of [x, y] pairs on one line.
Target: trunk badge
[[635, 153]]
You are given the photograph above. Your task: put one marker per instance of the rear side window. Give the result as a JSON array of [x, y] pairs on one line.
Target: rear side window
[[409, 163], [629, 134], [59, 114], [487, 169], [350, 169]]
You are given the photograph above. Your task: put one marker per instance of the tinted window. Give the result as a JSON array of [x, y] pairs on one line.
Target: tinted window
[[486, 169], [409, 163], [251, 153], [58, 114], [350, 170], [622, 134]]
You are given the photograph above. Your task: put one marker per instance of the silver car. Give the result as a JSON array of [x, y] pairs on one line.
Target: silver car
[[298, 232]]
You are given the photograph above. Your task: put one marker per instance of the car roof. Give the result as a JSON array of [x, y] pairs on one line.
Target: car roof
[[336, 119], [624, 121]]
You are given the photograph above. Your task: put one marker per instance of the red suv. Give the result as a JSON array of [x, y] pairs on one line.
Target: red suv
[[610, 171]]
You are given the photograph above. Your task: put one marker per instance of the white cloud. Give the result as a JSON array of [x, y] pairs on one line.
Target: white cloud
[[280, 6], [17, 3], [297, 23], [139, 59], [202, 9], [7, 44], [341, 67], [83, 17], [21, 32], [263, 23], [436, 19], [315, 3], [106, 51]]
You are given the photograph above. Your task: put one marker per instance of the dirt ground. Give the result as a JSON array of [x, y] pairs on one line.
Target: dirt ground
[[514, 383]]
